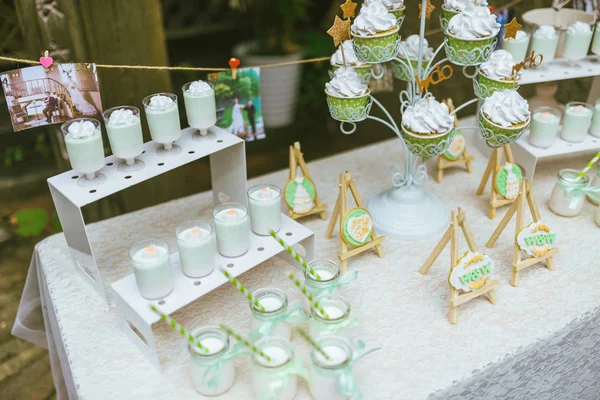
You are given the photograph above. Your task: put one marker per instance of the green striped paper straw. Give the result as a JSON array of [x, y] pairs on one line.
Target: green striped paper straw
[[238, 285], [311, 299], [295, 255], [588, 166], [312, 342], [178, 328], [245, 341]]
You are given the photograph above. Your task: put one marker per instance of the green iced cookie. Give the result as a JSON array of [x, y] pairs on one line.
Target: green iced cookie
[[502, 179], [357, 227]]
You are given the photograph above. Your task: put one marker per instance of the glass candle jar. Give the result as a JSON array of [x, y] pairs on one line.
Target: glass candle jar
[[544, 128], [339, 323], [325, 373], [576, 121], [212, 373], [264, 202], [162, 114], [152, 268], [232, 225], [595, 197], [273, 320], [124, 131], [196, 244], [567, 197], [277, 378], [328, 271]]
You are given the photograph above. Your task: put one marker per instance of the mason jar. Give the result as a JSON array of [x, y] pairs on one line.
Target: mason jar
[[211, 373], [325, 373], [567, 198], [328, 271], [277, 378], [269, 322], [339, 323]]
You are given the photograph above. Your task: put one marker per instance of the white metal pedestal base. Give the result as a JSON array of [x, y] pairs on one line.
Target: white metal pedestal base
[[408, 213]]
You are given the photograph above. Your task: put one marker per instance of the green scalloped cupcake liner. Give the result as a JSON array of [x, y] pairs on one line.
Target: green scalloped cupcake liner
[[489, 86], [462, 45], [348, 109], [445, 18], [424, 146], [380, 48], [509, 135], [400, 71]]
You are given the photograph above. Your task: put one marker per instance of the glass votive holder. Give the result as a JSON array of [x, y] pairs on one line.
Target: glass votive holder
[[232, 225], [264, 202], [196, 243], [212, 373], [200, 107], [162, 113], [271, 321], [124, 129], [328, 271], [326, 374], [577, 120], [545, 125], [595, 127], [278, 378], [152, 268], [340, 322], [567, 197], [83, 140]]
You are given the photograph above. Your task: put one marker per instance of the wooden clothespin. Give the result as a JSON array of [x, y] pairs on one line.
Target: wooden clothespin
[[234, 63]]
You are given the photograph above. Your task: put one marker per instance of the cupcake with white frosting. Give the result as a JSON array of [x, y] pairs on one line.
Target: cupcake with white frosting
[[395, 7], [347, 96], [471, 36], [337, 61], [495, 74], [577, 41], [503, 118], [374, 34], [408, 51], [450, 8], [427, 127], [544, 41]]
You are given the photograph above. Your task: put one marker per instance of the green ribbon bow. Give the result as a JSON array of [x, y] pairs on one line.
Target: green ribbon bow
[[212, 375], [280, 378], [293, 314], [347, 381], [343, 280], [576, 192]]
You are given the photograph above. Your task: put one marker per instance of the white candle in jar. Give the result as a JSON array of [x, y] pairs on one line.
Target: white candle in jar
[[264, 202], [196, 245], [576, 122], [232, 227], [544, 127], [338, 311], [275, 303], [568, 204], [217, 344], [325, 382], [152, 269], [264, 373]]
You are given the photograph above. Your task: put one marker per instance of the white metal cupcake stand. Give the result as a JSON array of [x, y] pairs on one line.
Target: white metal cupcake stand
[[229, 183], [527, 155]]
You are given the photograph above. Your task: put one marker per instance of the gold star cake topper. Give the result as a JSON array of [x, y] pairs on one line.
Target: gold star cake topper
[[428, 9], [340, 30], [511, 29], [349, 9]]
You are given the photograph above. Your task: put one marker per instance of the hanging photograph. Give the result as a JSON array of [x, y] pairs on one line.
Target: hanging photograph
[[38, 96], [239, 109]]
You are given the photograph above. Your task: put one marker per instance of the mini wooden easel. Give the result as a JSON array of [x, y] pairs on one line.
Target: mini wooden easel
[[490, 172], [464, 158], [297, 159], [339, 211], [518, 207], [451, 235]]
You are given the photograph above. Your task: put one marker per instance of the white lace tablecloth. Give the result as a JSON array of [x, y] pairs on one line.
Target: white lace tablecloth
[[541, 340]]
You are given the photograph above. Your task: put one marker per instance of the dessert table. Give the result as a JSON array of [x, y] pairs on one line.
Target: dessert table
[[541, 339]]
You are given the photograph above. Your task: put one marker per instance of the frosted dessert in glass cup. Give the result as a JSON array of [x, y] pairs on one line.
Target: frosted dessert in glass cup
[[162, 114], [518, 46], [450, 8], [544, 41], [408, 51], [395, 7], [348, 97], [503, 118], [471, 36], [124, 129], [577, 41], [200, 107], [363, 69], [83, 140], [427, 127], [496, 74], [374, 34]]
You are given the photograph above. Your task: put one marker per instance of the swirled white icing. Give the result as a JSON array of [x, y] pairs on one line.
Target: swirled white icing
[[579, 28], [346, 83], [389, 4], [336, 58], [81, 129], [373, 18], [428, 116], [411, 48], [499, 66], [462, 5], [122, 116], [474, 23], [546, 32], [506, 108]]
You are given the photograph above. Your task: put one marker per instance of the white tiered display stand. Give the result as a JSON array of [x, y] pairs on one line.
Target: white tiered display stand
[[229, 183], [526, 155]]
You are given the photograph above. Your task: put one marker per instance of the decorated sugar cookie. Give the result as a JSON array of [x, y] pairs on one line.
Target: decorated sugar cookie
[[300, 194], [456, 148], [471, 271], [508, 181], [536, 239], [356, 227]]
